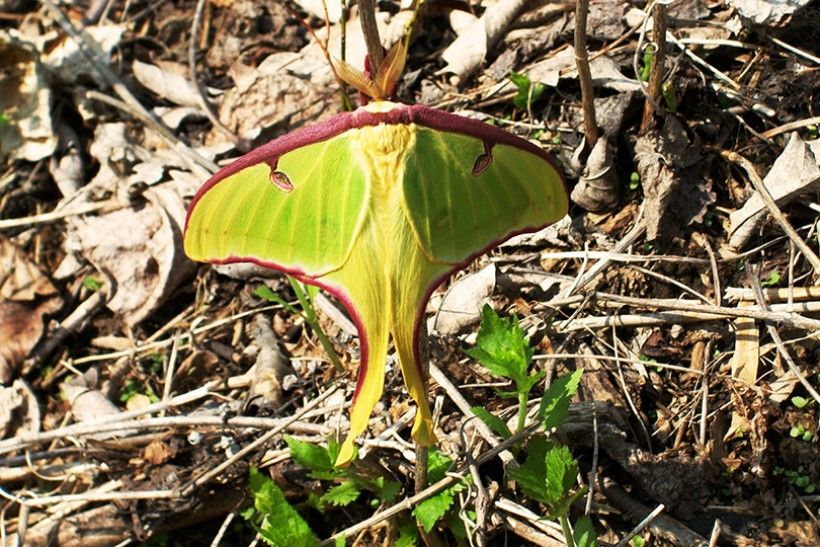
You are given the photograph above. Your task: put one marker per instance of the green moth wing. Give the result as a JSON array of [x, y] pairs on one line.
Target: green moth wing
[[378, 206]]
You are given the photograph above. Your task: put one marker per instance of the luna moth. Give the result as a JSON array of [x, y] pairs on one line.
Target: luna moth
[[378, 207]]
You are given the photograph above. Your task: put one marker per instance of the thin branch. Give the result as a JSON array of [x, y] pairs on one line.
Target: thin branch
[[656, 72], [370, 29], [752, 275], [584, 74], [200, 89], [774, 210]]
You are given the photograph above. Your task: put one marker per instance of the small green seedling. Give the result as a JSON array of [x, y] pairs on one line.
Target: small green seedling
[[773, 280], [801, 402], [135, 386], [529, 92], [797, 478], [800, 432], [634, 181], [92, 283], [646, 66]]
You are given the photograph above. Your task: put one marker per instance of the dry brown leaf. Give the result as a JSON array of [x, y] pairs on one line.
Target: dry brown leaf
[[26, 99], [605, 71], [795, 172], [169, 80], [87, 404], [19, 411], [273, 100], [461, 305], [598, 186], [64, 58], [767, 12], [465, 55], [157, 452], [139, 249], [26, 296], [671, 170]]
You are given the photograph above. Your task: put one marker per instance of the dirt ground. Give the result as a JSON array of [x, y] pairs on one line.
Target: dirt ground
[[138, 387]]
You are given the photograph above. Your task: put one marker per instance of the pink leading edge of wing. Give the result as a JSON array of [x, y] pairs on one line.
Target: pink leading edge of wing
[[401, 114]]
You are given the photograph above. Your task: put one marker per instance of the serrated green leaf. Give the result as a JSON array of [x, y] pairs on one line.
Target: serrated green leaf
[[387, 489], [342, 494], [408, 534], [562, 469], [433, 508], [313, 457], [531, 476], [548, 473], [437, 465], [502, 346], [281, 525], [496, 424], [555, 402], [584, 533]]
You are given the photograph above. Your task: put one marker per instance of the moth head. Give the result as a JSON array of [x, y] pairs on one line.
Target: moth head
[[381, 86]]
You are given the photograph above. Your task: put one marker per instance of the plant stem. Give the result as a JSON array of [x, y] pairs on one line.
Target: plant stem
[[367, 17], [658, 61], [584, 74], [564, 520], [313, 321], [422, 454], [523, 398]]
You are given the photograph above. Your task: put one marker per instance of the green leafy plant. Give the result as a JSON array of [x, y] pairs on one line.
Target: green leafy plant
[[634, 181], [92, 283], [801, 432], [273, 518], [5, 119], [135, 386], [549, 470], [503, 348], [646, 65], [670, 96], [529, 92], [349, 484], [797, 478], [773, 280], [439, 506]]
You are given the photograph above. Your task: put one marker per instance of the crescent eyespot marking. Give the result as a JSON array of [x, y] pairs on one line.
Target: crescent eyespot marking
[[483, 161], [281, 181]]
